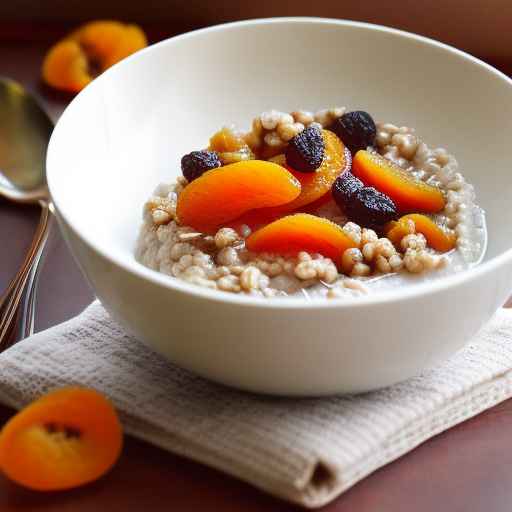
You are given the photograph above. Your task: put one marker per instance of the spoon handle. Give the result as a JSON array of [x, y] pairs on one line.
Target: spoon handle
[[26, 317], [10, 300]]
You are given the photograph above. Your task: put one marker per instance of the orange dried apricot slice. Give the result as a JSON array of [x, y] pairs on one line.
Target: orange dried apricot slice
[[439, 239], [315, 205], [223, 194], [226, 140], [301, 232], [396, 230], [230, 146], [65, 67], [408, 193], [75, 61], [256, 219], [316, 184], [108, 42], [65, 439]]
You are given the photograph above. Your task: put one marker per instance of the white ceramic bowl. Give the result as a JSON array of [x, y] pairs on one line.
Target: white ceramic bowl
[[126, 132]]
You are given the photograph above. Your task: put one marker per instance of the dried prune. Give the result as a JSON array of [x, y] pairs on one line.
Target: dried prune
[[305, 152], [356, 129], [196, 163], [345, 187], [369, 207]]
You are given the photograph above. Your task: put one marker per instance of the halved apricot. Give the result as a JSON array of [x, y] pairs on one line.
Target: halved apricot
[[260, 217], [74, 61], [226, 140], [255, 219], [65, 439], [315, 205], [408, 193], [65, 67], [223, 194], [316, 184], [108, 42], [396, 230], [230, 146], [301, 232], [437, 238]]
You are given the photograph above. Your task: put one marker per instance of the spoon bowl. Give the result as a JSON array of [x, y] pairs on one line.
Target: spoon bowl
[[25, 131]]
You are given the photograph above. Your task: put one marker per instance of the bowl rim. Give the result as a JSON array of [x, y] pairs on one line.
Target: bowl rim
[[397, 295]]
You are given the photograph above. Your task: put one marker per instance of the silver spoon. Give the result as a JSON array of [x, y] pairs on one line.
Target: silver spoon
[[25, 130]]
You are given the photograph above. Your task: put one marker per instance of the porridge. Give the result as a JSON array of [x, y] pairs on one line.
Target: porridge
[[328, 204]]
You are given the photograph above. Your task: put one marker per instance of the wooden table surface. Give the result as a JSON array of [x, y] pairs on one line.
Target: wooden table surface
[[464, 469]]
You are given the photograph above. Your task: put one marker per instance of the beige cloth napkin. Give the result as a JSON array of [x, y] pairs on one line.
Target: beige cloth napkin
[[304, 450]]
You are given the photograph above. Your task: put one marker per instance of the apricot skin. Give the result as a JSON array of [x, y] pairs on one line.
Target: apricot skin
[[301, 232], [437, 238], [337, 159], [224, 194], [99, 44], [65, 439], [315, 187], [409, 194], [65, 67]]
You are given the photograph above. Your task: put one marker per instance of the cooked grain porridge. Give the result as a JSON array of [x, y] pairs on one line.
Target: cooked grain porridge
[[313, 205]]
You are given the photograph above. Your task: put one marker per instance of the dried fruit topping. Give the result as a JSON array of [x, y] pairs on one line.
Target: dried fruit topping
[[75, 61], [222, 195], [369, 207], [438, 238], [301, 232], [345, 187], [66, 438], [395, 230], [196, 163], [314, 185], [305, 152], [230, 146], [356, 129], [408, 193]]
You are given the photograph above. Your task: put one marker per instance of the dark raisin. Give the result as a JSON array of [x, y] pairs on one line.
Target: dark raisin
[[305, 151], [369, 207], [196, 163], [356, 129], [344, 187]]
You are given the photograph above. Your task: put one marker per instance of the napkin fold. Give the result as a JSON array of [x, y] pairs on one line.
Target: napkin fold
[[304, 450]]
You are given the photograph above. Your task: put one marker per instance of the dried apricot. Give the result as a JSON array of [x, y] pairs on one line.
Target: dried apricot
[[223, 194], [230, 146], [65, 439], [314, 185], [408, 193], [301, 232], [65, 67], [74, 61], [315, 205], [395, 230], [438, 238], [108, 42]]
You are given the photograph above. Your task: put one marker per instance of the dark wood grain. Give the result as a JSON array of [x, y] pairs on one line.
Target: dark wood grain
[[464, 469]]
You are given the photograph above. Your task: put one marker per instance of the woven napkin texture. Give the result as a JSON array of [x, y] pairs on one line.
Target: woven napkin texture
[[304, 450]]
